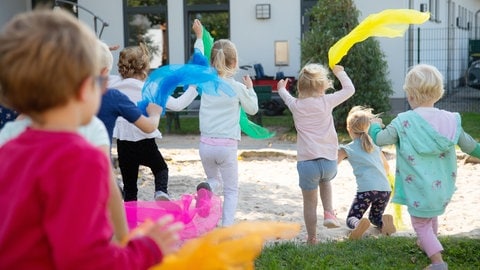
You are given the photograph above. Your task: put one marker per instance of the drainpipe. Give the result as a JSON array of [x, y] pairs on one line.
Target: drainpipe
[[450, 44], [410, 40], [476, 24]]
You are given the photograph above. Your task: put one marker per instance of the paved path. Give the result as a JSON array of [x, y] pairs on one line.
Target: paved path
[[171, 141]]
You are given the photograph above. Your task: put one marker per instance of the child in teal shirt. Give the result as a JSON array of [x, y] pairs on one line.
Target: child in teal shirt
[[370, 168]]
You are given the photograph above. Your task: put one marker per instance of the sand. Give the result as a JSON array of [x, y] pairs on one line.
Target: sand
[[269, 187]]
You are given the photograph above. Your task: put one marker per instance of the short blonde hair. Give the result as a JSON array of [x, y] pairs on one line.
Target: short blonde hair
[[134, 61], [106, 57], [45, 56], [224, 58], [424, 83], [313, 80], [358, 123]]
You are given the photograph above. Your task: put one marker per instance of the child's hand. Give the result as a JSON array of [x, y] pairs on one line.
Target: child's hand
[[337, 69], [282, 83], [197, 28], [165, 233], [154, 109], [248, 82], [378, 121], [114, 47]]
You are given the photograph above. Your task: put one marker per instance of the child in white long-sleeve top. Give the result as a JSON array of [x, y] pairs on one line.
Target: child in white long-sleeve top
[[426, 169], [220, 126], [317, 141]]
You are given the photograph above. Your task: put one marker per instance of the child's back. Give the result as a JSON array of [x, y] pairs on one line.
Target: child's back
[[312, 111], [50, 193], [220, 114], [427, 158]]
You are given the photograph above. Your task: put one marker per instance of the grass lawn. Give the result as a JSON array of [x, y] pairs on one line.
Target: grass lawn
[[370, 253], [189, 125]]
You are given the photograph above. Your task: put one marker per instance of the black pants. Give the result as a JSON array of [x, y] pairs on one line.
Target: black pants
[[378, 200], [133, 154]]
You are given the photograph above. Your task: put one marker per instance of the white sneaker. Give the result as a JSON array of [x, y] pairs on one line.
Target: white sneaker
[[161, 196]]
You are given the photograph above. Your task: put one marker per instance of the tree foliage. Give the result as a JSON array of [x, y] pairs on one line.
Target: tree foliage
[[330, 20]]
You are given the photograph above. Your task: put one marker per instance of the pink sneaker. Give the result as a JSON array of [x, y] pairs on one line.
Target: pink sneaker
[[330, 220]]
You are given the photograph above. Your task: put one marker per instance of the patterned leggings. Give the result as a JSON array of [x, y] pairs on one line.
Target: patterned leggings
[[377, 199]]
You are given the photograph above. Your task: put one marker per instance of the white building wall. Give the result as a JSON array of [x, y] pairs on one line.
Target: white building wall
[[176, 44], [255, 38], [393, 48], [111, 11], [8, 9]]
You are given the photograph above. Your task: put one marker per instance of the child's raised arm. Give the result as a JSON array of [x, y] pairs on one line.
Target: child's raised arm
[[468, 144]]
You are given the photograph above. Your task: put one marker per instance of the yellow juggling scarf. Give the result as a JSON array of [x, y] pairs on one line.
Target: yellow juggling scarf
[[388, 23], [234, 247], [397, 208]]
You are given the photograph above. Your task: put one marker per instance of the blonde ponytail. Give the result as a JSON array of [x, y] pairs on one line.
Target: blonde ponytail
[[367, 143], [358, 123], [224, 58]]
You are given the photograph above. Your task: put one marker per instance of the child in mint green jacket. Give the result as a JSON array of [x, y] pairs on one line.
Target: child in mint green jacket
[[425, 138]]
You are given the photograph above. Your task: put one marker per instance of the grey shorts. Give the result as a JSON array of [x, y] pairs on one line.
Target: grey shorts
[[312, 172]]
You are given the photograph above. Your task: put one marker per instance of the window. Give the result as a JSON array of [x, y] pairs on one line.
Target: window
[[214, 15], [306, 6], [146, 21], [463, 18]]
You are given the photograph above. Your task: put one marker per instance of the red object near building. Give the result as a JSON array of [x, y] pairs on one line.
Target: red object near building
[[273, 83]]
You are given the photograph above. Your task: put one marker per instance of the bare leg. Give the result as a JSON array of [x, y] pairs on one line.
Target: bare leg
[[326, 196], [310, 201], [436, 258], [329, 218]]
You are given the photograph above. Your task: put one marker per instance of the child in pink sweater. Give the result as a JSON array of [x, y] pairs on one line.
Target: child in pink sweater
[[317, 141]]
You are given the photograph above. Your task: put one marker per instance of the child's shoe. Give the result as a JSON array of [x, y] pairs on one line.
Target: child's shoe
[[437, 266], [388, 227], [203, 202], [161, 196], [330, 220], [204, 185], [361, 228]]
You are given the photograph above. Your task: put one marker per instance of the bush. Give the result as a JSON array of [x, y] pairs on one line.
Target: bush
[[330, 21]]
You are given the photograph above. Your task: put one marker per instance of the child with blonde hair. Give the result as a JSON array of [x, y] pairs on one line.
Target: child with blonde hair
[[370, 168], [317, 141], [55, 211], [425, 138], [220, 126]]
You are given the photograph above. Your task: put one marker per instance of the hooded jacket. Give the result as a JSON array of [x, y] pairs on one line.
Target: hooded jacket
[[426, 164]]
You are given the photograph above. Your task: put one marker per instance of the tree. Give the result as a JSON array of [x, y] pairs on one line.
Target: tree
[[330, 20]]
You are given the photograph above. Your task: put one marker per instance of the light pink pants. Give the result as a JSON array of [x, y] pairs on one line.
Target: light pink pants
[[426, 230]]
